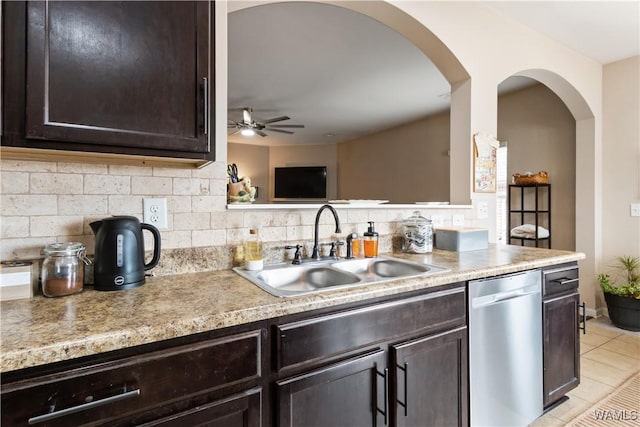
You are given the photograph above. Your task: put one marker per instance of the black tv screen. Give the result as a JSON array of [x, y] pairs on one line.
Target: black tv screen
[[301, 182]]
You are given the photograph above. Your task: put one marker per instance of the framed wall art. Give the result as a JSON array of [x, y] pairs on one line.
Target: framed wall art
[[484, 163]]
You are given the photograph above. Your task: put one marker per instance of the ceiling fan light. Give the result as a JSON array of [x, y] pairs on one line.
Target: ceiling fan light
[[247, 132]]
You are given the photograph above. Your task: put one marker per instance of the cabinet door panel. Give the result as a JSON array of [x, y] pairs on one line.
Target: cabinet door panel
[[431, 380], [344, 394], [118, 73], [561, 346]]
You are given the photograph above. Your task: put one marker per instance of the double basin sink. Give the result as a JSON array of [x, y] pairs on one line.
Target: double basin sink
[[284, 280]]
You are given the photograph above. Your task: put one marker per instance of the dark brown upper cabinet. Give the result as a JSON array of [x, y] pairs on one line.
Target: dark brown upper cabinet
[[132, 78]]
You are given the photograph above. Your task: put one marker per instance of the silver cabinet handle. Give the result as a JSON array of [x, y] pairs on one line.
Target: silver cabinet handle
[[84, 406], [564, 281], [205, 95]]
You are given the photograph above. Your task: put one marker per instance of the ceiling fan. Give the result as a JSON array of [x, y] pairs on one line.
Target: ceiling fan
[[248, 126]]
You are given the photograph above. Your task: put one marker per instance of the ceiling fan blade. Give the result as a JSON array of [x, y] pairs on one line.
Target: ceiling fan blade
[[276, 119], [259, 132], [233, 133], [278, 130], [286, 126]]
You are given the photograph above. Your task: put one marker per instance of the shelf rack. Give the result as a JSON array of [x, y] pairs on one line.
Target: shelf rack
[[541, 216]]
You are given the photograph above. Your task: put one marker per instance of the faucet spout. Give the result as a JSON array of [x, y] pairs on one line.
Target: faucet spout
[[316, 253]]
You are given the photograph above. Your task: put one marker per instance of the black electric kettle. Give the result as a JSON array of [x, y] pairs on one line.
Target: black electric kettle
[[119, 255]]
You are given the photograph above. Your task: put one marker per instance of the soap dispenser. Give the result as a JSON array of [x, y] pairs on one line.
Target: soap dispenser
[[370, 238]]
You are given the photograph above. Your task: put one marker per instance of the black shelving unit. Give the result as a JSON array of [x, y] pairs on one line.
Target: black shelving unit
[[540, 215]]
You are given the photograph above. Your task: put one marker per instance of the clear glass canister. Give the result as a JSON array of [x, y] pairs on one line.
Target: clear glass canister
[[63, 269], [417, 234]]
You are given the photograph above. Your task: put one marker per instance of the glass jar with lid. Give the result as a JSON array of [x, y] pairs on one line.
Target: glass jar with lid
[[63, 269], [417, 233]]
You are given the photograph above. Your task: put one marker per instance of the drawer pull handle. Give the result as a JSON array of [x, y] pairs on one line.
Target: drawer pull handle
[[83, 407], [565, 281]]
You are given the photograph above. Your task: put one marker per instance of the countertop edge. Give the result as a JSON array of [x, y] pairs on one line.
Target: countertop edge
[[65, 349]]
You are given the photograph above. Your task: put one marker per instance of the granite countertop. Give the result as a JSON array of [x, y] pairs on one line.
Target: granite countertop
[[44, 330]]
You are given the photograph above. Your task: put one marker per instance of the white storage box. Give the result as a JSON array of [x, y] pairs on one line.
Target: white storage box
[[15, 280], [461, 239]]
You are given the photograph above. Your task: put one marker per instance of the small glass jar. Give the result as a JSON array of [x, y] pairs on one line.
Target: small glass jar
[[63, 269], [417, 234]]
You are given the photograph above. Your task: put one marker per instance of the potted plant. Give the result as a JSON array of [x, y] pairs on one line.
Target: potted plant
[[623, 297]]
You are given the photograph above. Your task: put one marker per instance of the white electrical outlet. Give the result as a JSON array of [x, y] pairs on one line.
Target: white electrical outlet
[[457, 220], [155, 212], [483, 210], [635, 209], [437, 220]]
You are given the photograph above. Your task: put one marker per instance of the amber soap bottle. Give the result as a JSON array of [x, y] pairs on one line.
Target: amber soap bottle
[[370, 239]]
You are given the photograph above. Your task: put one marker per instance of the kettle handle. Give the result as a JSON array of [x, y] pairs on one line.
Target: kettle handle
[[156, 245]]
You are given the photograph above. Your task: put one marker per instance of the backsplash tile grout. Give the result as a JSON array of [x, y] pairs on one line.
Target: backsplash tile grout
[[45, 202]]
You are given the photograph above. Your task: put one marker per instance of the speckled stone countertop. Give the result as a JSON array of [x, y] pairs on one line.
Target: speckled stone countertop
[[44, 330]]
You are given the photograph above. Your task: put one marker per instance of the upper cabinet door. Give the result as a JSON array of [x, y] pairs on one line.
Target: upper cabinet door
[[120, 74]]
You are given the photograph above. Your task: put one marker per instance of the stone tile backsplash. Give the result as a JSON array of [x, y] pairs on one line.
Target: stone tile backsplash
[[45, 202]]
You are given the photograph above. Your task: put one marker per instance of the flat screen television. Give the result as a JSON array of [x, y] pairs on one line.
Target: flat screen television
[[301, 182]]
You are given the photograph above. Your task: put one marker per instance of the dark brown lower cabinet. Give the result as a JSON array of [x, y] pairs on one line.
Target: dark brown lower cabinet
[[349, 393], [197, 383], [426, 386], [242, 410], [431, 380], [411, 369], [562, 346], [561, 343]]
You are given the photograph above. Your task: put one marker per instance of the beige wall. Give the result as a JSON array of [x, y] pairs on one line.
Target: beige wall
[[541, 135], [621, 159], [253, 162], [417, 171], [306, 155]]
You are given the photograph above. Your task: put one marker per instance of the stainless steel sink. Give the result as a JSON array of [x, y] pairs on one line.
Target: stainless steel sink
[[284, 279], [289, 280], [385, 267]]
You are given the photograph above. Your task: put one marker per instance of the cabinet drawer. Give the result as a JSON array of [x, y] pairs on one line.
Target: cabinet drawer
[[338, 333], [103, 392], [560, 280]]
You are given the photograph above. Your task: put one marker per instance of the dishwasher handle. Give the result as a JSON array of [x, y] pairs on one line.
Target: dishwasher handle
[[500, 297]]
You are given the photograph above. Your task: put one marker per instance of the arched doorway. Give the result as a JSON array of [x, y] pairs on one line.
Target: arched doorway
[[447, 64], [586, 191]]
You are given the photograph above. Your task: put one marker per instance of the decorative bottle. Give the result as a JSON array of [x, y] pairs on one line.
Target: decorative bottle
[[253, 251]]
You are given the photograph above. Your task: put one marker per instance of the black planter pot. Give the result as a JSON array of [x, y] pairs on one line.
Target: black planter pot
[[624, 312]]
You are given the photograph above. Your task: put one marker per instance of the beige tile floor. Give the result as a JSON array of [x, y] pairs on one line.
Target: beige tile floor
[[608, 356]]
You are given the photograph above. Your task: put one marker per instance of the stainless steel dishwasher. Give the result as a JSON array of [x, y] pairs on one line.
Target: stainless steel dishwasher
[[505, 350]]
